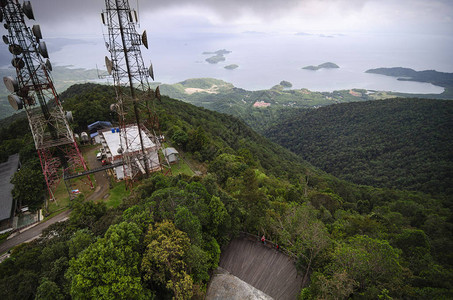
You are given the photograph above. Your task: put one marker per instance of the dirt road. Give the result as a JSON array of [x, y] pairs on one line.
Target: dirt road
[[102, 188], [101, 178]]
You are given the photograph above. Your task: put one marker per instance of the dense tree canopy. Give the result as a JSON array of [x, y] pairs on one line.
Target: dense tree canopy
[[395, 143], [165, 238]]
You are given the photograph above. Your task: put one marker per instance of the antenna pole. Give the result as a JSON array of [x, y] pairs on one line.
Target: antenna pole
[[35, 92], [127, 69]]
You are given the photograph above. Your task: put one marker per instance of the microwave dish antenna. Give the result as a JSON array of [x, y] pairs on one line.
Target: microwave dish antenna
[[43, 49], [15, 102], [28, 10], [11, 84], [145, 39], [37, 31]]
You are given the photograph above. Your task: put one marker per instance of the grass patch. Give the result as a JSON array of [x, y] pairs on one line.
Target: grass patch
[[62, 199], [117, 194], [181, 168]]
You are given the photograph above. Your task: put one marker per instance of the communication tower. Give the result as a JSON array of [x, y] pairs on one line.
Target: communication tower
[[130, 75], [34, 91]]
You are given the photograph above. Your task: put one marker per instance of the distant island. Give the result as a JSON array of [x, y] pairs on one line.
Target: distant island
[[215, 59], [327, 65], [218, 57], [218, 52], [231, 67], [431, 76], [286, 84]]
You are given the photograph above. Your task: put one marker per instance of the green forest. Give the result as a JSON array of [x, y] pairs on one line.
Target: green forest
[[164, 240], [395, 143]]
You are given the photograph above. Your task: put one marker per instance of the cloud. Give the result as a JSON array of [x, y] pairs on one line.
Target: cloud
[[67, 18]]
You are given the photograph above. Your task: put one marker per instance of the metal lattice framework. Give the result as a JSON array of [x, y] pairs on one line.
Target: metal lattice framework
[[34, 91], [129, 74]]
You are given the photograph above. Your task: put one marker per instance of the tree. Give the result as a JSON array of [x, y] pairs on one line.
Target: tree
[[86, 214], [187, 222], [372, 263], [298, 228], [109, 268], [29, 187], [48, 290], [163, 262]]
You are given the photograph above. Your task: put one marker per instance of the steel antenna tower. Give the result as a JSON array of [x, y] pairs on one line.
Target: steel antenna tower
[[34, 91], [129, 75]]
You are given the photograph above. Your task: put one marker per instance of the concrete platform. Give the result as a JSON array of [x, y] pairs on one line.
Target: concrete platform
[[266, 269]]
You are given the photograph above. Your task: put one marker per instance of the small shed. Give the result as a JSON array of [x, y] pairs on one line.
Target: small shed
[[171, 154], [95, 137], [95, 127]]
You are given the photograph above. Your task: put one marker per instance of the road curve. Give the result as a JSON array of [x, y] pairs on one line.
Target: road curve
[[32, 232]]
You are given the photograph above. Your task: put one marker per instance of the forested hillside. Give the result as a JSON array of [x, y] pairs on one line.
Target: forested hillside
[[166, 237], [259, 109], [63, 77], [399, 143]]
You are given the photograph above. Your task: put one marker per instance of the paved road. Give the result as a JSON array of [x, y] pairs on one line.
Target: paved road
[[32, 232]]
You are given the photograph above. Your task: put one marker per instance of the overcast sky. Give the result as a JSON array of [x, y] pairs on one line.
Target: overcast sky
[[82, 17]]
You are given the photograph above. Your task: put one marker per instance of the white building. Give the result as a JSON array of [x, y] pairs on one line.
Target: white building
[[113, 142]]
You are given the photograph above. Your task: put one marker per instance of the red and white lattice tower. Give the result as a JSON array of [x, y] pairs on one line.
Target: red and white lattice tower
[[129, 74], [34, 91]]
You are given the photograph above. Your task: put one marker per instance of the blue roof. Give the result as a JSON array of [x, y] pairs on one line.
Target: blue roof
[[7, 170], [94, 134], [99, 125]]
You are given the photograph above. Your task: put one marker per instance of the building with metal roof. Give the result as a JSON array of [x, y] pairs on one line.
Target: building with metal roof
[[112, 140], [7, 170]]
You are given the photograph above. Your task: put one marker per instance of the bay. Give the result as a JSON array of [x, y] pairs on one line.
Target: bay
[[266, 59]]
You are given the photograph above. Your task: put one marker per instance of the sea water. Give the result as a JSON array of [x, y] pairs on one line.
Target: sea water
[[266, 59]]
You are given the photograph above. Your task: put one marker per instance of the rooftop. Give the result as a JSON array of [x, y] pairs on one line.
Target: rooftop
[[112, 140], [7, 170]]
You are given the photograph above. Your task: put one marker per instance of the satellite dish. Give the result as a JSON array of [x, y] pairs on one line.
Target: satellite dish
[[28, 11], [145, 39], [120, 150], [113, 107], [1, 16], [37, 31], [15, 102], [43, 49], [103, 18], [151, 71], [48, 65], [5, 39], [108, 65], [158, 93], [18, 63], [69, 116], [15, 49], [11, 84]]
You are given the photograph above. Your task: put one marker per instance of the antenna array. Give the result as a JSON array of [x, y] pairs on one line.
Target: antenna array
[[130, 75], [34, 91]]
